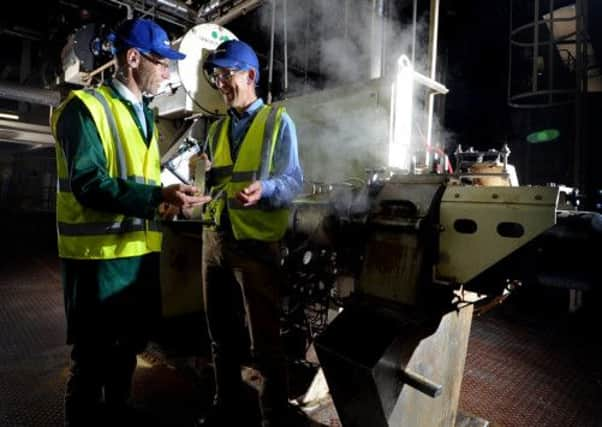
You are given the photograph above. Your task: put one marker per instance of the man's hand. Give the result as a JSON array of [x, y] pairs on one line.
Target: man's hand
[[183, 196], [195, 160], [250, 195], [167, 211]]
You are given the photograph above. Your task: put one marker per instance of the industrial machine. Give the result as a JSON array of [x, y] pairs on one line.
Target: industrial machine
[[413, 246], [385, 269]]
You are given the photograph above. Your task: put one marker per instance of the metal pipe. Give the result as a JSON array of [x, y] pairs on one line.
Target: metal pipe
[[511, 32], [32, 95], [25, 127], [25, 67], [211, 7], [22, 33], [433, 37], [377, 42], [433, 40], [128, 8], [535, 46], [421, 383], [414, 21], [87, 77], [306, 46], [163, 16], [174, 7], [238, 10], [551, 53], [271, 60], [430, 83], [21, 132], [285, 30], [580, 154], [346, 21]]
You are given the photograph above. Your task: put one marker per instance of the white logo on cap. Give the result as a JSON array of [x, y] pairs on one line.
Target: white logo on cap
[[166, 42]]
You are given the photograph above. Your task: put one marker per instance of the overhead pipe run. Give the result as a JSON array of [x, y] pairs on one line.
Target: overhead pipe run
[[206, 11], [177, 8], [241, 9], [377, 39], [25, 133], [32, 95], [164, 9], [271, 60], [433, 41]]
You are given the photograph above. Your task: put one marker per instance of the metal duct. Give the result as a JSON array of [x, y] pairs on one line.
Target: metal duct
[[377, 39], [238, 10], [25, 133], [175, 7], [211, 7], [32, 95]]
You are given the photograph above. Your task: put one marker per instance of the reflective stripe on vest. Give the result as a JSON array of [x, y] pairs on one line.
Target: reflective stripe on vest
[[85, 233], [254, 162]]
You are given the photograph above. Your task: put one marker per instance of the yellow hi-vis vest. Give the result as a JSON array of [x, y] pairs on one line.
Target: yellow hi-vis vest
[[253, 162], [85, 233]]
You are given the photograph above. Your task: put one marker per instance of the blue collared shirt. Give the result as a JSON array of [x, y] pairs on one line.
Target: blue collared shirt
[[286, 181]]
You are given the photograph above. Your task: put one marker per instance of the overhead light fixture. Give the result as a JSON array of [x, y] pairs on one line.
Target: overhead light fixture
[[9, 116]]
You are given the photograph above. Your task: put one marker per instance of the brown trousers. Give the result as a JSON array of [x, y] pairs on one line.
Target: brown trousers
[[242, 282]]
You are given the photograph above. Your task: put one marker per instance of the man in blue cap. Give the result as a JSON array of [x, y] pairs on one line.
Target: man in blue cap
[[108, 201], [254, 176]]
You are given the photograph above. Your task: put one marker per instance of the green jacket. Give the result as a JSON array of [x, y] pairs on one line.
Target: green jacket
[[95, 188]]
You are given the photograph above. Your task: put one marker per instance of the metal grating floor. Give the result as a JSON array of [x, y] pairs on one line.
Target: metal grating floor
[[519, 371], [535, 368]]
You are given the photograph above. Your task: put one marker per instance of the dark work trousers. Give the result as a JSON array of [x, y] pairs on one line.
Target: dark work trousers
[[242, 303], [106, 336]]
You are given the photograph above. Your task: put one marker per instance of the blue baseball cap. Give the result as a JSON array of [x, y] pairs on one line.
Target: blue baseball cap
[[146, 36], [233, 54]]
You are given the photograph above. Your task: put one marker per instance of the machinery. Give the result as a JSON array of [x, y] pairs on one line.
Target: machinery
[[413, 245], [407, 258], [384, 271]]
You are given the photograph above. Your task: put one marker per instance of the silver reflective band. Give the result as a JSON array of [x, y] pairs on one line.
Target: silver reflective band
[[114, 132], [128, 225], [264, 172], [64, 185]]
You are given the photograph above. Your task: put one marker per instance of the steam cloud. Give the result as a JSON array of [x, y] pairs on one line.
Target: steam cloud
[[343, 119]]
